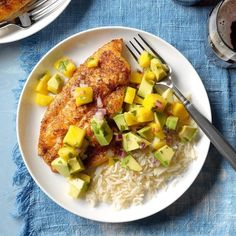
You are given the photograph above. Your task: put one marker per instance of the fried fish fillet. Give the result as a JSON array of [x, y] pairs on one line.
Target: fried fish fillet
[[8, 8], [108, 81]]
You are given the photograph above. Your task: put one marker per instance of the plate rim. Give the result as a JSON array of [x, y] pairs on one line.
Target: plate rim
[[20, 102]]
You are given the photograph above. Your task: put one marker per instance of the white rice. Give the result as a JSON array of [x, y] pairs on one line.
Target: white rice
[[122, 187]]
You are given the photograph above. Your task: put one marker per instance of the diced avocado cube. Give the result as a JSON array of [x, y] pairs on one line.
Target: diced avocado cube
[[92, 62], [67, 152], [75, 165], [136, 77], [132, 142], [171, 122], [120, 122], [187, 133], [156, 101], [144, 115], [145, 87], [42, 86], [66, 66], [168, 95], [131, 163], [130, 118], [74, 136], [129, 95], [146, 132], [157, 143], [84, 177], [138, 100], [158, 69], [164, 155], [77, 187], [55, 84], [102, 131], [43, 100], [61, 166], [179, 110], [160, 118], [145, 59], [83, 95]]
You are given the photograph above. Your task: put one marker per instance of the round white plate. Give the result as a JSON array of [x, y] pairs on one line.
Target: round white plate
[[79, 47], [14, 33]]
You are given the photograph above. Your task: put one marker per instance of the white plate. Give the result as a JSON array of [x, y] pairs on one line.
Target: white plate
[[13, 33], [79, 47]]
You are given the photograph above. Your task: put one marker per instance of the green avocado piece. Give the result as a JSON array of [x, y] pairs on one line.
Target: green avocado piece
[[120, 122], [146, 132], [132, 142], [61, 166], [158, 69], [187, 133], [75, 165], [55, 84], [164, 155], [102, 131], [171, 122], [160, 118], [145, 87], [67, 152], [168, 95], [77, 187], [131, 163]]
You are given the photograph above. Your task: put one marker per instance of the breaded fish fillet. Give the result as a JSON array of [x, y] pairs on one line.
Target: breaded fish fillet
[[108, 81], [10, 7]]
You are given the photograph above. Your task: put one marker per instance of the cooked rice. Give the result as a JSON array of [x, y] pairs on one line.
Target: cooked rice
[[122, 187]]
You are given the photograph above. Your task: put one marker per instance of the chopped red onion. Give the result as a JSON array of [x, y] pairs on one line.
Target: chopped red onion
[[99, 102], [142, 145], [118, 137], [99, 115], [159, 104], [103, 110]]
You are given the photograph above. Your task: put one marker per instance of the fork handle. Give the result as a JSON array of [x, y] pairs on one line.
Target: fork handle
[[210, 131]]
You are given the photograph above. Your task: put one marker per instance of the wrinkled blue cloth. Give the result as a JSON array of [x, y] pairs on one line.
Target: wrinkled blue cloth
[[208, 207]]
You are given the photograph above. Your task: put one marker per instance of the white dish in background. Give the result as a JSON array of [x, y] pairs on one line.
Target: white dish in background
[[79, 47], [13, 33]]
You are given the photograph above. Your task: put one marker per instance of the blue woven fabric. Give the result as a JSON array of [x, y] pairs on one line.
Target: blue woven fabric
[[208, 207]]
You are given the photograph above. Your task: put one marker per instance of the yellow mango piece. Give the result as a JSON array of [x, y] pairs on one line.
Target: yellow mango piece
[[158, 69], [144, 115], [55, 84], [138, 100], [149, 75], [179, 110], [42, 86], [129, 95], [67, 152], [66, 66], [111, 161], [160, 134], [157, 143], [145, 59], [74, 136], [130, 118], [83, 95], [92, 62], [154, 100], [136, 77], [43, 100], [155, 127]]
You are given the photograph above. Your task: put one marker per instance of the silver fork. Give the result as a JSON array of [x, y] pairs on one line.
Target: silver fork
[[210, 131], [33, 12]]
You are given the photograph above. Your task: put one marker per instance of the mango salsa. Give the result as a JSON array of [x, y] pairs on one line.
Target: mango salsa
[[179, 110], [83, 95], [74, 136], [136, 77], [92, 62], [138, 100], [157, 143], [67, 152], [130, 118], [145, 59], [144, 115], [158, 69], [43, 100], [55, 84], [149, 75], [66, 66], [154, 101], [42, 86], [129, 95]]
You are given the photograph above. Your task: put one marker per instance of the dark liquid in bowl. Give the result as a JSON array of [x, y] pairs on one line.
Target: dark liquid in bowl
[[233, 35]]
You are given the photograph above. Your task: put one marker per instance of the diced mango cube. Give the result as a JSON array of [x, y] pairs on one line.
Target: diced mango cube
[[154, 101], [130, 118], [55, 84], [158, 69], [129, 95], [145, 59], [83, 95], [43, 100], [138, 100], [136, 77], [157, 143], [66, 66], [149, 75], [179, 110], [92, 62], [144, 115], [67, 152], [74, 136], [42, 86]]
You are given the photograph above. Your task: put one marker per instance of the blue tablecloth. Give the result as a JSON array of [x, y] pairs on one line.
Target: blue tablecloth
[[208, 207]]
